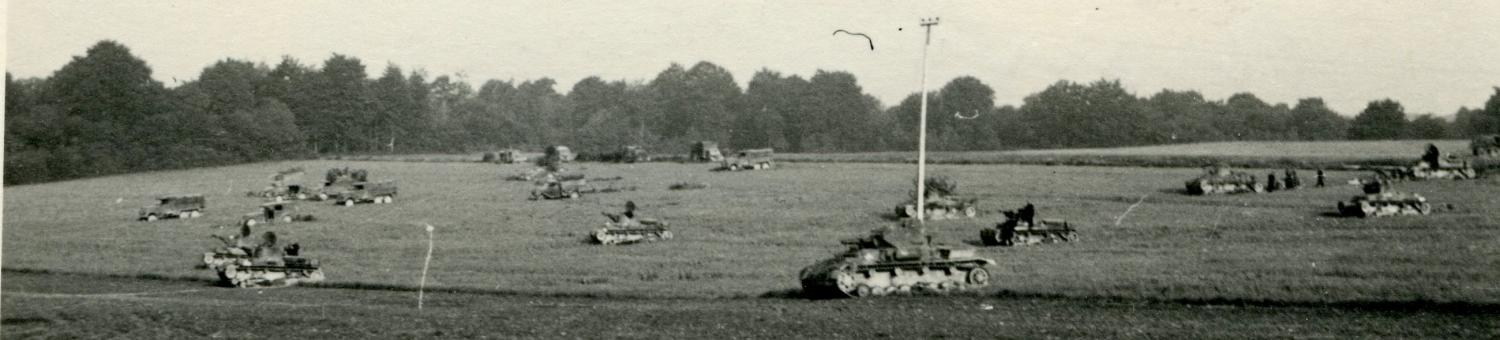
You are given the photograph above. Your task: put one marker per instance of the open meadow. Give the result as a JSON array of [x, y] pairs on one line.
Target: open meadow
[[748, 233]]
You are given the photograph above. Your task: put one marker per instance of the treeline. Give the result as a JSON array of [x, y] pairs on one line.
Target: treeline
[[102, 113]]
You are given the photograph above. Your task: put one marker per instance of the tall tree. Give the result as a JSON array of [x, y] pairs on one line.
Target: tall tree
[[1382, 119], [1311, 119]]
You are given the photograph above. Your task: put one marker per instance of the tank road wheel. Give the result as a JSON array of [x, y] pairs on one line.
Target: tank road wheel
[[666, 235], [348, 203], [971, 211], [734, 167], [286, 219], [573, 195], [1424, 208], [845, 284], [151, 217], [864, 291], [1071, 236], [322, 197], [978, 277]]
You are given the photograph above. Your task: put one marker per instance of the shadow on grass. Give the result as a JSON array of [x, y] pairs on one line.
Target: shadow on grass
[[1418, 304]]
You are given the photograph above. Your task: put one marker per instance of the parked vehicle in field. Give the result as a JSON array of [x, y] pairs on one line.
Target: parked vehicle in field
[[174, 206], [1432, 166], [1485, 145], [247, 262], [507, 156], [895, 260], [1218, 179], [633, 154], [705, 151], [275, 212], [285, 184], [626, 228], [753, 159], [338, 182], [556, 186], [941, 201], [369, 192], [563, 153], [1021, 227], [1385, 204]]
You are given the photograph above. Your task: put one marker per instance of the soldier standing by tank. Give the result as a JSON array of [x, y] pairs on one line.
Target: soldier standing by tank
[[1320, 179], [1271, 183], [1292, 182], [1432, 157], [1028, 214]]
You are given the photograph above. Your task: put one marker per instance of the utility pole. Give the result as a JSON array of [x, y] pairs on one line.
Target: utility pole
[[922, 128]]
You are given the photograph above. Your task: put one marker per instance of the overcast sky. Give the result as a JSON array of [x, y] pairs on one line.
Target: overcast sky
[[1432, 56]]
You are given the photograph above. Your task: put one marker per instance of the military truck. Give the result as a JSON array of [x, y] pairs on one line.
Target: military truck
[[1021, 227], [174, 206], [753, 159], [1218, 179], [894, 260], [705, 151], [570, 186], [562, 152], [275, 212], [245, 262], [369, 192]]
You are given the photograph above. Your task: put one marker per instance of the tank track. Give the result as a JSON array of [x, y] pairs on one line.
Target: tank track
[[614, 236], [1378, 209]]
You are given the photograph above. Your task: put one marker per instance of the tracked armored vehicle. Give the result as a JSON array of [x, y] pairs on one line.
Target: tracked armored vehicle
[[753, 159], [339, 182], [1022, 228], [942, 202], [1217, 179], [895, 260], [369, 192], [275, 212], [625, 230], [285, 184], [569, 186], [259, 263], [1385, 204]]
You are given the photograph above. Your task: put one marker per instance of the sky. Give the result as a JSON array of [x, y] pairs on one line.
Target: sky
[[1432, 56]]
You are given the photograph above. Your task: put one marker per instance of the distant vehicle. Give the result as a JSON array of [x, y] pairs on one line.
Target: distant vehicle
[[1021, 227], [1385, 204], [748, 160], [892, 261], [1218, 179], [507, 156], [369, 192], [275, 212], [633, 154], [705, 151], [942, 201], [338, 182], [1485, 145], [563, 153], [176, 206], [1432, 166], [285, 184], [570, 186], [624, 230]]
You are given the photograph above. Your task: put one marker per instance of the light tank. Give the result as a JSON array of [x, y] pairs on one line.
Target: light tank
[[942, 201], [895, 260], [624, 230], [1385, 204], [259, 263], [1021, 228], [1220, 180]]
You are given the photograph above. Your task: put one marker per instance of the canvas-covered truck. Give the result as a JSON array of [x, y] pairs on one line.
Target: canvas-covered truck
[[753, 159], [174, 206], [369, 192]]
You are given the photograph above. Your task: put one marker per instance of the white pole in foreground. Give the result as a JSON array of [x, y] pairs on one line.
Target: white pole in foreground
[[922, 128], [422, 286]]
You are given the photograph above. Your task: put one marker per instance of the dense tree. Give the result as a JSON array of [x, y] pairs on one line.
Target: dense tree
[[1312, 120], [1427, 127], [1382, 119]]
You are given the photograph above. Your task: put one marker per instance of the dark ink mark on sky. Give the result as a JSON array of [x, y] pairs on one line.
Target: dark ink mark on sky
[[872, 41]]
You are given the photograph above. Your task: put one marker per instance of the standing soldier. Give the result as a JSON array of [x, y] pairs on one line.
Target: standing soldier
[[1320, 178], [1271, 183], [1292, 182]]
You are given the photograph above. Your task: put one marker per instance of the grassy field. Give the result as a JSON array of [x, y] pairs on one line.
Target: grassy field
[[73, 306], [1303, 155], [748, 233]]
